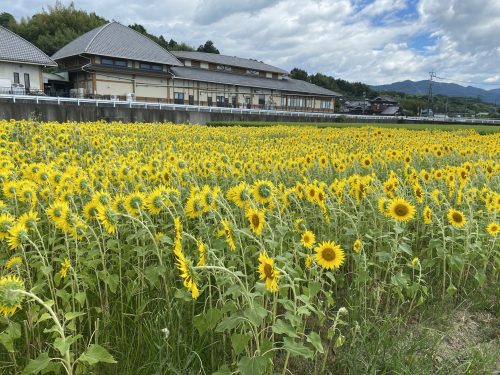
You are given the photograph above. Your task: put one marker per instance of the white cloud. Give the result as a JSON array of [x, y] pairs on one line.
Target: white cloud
[[372, 42]]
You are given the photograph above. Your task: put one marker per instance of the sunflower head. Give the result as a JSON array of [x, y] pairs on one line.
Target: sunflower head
[[357, 246], [308, 239], [456, 218], [329, 255], [493, 228], [268, 273], [400, 210], [11, 297], [427, 215]]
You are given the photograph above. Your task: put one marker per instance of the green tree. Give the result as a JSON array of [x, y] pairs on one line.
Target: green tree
[[7, 20], [300, 74], [52, 29], [208, 47]]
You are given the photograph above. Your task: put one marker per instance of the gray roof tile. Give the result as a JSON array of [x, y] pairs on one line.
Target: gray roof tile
[[229, 60], [15, 48], [293, 85], [119, 41]]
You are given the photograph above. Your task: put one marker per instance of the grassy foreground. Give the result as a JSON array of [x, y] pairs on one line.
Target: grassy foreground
[[482, 129], [172, 249]]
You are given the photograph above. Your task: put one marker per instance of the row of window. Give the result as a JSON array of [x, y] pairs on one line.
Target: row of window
[[123, 64], [292, 102], [27, 84]]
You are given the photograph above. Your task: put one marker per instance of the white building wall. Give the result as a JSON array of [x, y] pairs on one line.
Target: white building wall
[[7, 70]]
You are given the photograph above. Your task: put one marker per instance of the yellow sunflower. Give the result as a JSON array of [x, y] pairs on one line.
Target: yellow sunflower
[[17, 235], [65, 266], [399, 209], [263, 191], [329, 255], [493, 228], [13, 262], [10, 296], [357, 246], [256, 220], [268, 273], [308, 239], [456, 218], [427, 215]]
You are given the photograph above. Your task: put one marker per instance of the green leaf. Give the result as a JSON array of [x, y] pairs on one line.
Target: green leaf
[[64, 345], [7, 337], [252, 366], [80, 297], [36, 365], [183, 295], [96, 353], [383, 256], [224, 370], [72, 315], [340, 341], [239, 341], [313, 288], [281, 327], [43, 317], [228, 323], [315, 339], [296, 349], [256, 315], [207, 320]]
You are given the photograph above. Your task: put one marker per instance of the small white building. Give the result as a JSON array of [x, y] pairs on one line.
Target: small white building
[[21, 65]]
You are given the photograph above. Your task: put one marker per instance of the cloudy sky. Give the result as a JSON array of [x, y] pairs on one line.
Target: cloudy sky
[[377, 41]]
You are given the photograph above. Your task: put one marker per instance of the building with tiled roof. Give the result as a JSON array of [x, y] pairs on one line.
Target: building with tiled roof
[[21, 64], [116, 61]]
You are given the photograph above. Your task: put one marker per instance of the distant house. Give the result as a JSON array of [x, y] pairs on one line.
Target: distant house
[[381, 105], [21, 64], [114, 61]]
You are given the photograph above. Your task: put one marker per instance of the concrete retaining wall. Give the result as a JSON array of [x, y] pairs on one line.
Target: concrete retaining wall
[[88, 112]]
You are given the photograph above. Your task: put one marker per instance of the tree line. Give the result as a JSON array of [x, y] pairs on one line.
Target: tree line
[[52, 29]]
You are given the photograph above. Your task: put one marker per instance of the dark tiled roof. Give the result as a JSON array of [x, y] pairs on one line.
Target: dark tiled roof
[[229, 60], [119, 41], [15, 48], [392, 110], [293, 85]]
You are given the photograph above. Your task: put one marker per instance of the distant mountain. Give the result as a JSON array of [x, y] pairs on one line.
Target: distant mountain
[[441, 88]]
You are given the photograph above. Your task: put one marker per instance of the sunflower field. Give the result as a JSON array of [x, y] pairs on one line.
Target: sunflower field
[[176, 249]]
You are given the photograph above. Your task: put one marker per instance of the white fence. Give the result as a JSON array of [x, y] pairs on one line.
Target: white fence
[[197, 108]]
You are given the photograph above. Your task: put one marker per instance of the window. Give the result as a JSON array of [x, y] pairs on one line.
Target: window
[[191, 99], [16, 77], [235, 104], [178, 97], [27, 81], [115, 62], [148, 66], [262, 99], [252, 72], [210, 99], [296, 102], [309, 103], [224, 67], [325, 104]]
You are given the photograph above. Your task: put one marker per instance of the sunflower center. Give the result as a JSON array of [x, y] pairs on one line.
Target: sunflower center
[[401, 210], [264, 191], [255, 220], [268, 270], [457, 218], [328, 254]]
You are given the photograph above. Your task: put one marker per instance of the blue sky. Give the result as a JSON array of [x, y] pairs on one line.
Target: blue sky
[[372, 41]]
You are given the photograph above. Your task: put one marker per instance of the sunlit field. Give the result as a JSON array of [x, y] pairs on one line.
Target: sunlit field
[[169, 249]]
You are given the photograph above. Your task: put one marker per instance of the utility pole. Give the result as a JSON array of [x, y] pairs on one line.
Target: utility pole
[[429, 97]]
